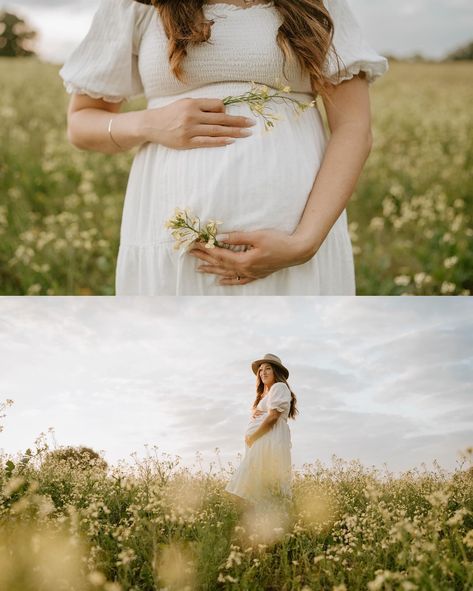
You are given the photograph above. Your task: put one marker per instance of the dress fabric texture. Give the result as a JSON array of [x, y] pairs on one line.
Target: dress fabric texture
[[266, 468], [259, 182]]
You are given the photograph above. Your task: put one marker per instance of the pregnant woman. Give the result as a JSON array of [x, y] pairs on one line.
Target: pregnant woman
[[281, 194], [266, 469]]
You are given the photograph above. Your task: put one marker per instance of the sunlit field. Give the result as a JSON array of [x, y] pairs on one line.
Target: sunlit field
[[151, 524], [410, 218]]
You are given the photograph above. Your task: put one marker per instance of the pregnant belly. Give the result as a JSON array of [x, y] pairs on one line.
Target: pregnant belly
[[262, 181], [254, 424]]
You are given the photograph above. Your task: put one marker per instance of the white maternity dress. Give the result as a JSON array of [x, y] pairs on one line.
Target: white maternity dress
[[266, 468], [258, 182]]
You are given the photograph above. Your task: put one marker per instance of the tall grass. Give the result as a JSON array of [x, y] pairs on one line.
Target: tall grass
[[155, 524]]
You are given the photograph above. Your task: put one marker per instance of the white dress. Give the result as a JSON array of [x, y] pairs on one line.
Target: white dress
[[258, 182], [266, 467]]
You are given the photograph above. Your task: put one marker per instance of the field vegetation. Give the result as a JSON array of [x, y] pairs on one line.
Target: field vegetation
[[71, 522], [410, 218]]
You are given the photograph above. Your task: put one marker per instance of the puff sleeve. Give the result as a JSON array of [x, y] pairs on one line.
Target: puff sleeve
[[355, 53], [279, 397], [105, 63]]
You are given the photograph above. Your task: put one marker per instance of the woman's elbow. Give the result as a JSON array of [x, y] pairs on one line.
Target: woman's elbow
[[73, 137], [358, 133], [76, 135], [273, 418], [363, 129]]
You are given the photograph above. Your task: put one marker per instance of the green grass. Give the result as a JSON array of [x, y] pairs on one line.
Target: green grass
[[410, 218]]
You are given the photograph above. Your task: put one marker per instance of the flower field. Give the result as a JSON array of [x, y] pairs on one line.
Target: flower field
[[149, 525], [410, 218]]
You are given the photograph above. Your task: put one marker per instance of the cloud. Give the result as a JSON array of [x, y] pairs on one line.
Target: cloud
[[374, 377]]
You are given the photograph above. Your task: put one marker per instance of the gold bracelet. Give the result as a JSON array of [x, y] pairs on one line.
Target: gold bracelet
[[111, 136]]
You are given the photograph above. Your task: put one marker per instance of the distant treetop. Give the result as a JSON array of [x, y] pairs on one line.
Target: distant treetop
[[79, 457], [462, 53], [16, 37]]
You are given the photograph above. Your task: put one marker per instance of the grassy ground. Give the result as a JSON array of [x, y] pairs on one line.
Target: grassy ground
[[155, 525], [410, 218]]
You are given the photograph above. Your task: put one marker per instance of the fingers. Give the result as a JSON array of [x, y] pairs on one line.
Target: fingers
[[200, 247], [227, 120], [218, 256], [224, 273], [214, 270], [229, 276], [213, 128], [235, 281], [238, 238], [219, 264], [203, 256], [210, 142], [212, 105], [222, 131]]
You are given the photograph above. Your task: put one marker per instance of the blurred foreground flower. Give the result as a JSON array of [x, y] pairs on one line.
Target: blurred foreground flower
[[258, 98], [34, 558], [186, 229]]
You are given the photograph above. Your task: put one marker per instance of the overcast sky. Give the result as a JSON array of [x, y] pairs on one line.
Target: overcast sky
[[395, 27], [379, 379]]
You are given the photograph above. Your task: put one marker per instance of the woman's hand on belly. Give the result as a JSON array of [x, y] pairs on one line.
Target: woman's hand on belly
[[193, 123], [270, 251]]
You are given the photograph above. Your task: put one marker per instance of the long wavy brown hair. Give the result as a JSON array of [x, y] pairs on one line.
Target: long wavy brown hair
[[278, 377], [305, 34]]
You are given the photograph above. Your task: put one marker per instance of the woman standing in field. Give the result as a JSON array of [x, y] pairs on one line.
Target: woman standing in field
[[266, 469], [281, 194]]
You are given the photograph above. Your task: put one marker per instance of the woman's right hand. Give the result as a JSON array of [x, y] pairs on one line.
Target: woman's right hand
[[257, 413], [193, 123]]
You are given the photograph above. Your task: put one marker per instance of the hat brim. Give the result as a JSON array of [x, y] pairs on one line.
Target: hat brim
[[255, 365]]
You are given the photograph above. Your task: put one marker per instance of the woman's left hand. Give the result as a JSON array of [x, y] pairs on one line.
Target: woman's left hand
[[269, 251], [249, 440]]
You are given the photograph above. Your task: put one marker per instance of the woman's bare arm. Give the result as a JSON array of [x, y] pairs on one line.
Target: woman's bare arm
[[87, 125], [349, 118], [183, 124]]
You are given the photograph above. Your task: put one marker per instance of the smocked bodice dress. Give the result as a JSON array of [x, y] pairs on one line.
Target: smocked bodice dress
[[266, 467], [258, 182]]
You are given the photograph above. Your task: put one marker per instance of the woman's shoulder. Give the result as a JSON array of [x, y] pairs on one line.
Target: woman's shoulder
[[279, 388], [137, 7], [104, 64], [113, 12], [134, 13], [142, 6]]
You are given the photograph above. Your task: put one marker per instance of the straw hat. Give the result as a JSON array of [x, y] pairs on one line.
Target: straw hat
[[269, 358]]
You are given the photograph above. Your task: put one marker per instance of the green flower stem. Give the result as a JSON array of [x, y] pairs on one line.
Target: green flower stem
[[257, 100], [200, 234], [250, 97]]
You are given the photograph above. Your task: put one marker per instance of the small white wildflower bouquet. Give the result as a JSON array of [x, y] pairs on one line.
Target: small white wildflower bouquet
[[258, 98], [186, 229]]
